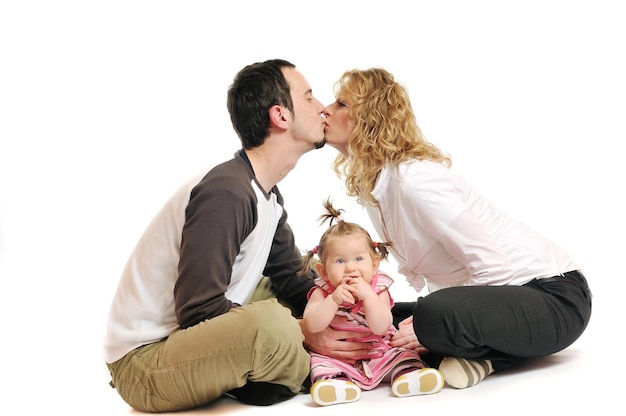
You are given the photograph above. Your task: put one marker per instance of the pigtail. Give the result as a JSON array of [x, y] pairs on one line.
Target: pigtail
[[331, 213], [308, 262], [382, 249]]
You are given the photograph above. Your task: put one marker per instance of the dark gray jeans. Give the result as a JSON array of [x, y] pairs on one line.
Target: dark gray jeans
[[502, 323]]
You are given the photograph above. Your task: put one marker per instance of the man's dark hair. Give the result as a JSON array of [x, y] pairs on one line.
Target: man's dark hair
[[255, 89]]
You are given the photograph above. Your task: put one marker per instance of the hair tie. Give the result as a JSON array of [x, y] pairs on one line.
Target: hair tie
[[315, 249], [375, 244], [339, 218]]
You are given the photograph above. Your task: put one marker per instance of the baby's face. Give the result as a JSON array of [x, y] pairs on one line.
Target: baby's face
[[348, 257]]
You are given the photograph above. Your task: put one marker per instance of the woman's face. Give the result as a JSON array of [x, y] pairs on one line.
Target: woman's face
[[339, 125]]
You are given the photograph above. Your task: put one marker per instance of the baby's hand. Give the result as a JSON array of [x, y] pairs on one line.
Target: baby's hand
[[360, 288], [343, 293]]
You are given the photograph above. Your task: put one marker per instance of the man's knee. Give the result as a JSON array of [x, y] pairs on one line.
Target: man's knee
[[272, 315]]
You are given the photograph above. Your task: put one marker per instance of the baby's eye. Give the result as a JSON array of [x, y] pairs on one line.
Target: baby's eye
[[340, 261], [358, 259]]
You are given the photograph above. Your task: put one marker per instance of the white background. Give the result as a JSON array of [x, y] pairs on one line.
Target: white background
[[107, 106]]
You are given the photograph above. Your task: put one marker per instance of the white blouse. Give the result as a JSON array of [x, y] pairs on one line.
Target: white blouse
[[445, 233]]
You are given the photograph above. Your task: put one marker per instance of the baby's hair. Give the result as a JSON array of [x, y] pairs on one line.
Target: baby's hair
[[341, 228]]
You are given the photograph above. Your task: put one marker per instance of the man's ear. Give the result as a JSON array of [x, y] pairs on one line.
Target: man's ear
[[320, 268], [278, 117]]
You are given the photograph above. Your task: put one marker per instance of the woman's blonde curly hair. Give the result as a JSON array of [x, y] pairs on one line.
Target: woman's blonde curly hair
[[385, 131]]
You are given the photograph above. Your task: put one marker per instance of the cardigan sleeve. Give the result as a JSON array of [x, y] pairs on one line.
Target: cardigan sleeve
[[220, 214]]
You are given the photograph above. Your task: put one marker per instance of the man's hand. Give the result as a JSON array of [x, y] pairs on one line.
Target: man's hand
[[336, 344]]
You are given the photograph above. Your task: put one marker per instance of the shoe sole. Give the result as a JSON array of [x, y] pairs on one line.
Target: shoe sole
[[328, 392], [418, 382]]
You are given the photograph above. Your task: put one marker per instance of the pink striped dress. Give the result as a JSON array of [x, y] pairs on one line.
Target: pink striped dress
[[369, 371]]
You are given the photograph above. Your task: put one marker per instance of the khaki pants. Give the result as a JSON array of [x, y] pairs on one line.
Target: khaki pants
[[258, 342]]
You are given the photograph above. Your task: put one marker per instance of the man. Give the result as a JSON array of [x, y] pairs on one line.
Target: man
[[181, 330]]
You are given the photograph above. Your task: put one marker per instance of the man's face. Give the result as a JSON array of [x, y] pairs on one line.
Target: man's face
[[308, 120]]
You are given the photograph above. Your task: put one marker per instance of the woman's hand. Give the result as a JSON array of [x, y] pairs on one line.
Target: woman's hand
[[406, 338], [337, 344]]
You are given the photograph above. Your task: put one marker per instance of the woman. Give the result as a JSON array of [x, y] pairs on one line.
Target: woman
[[497, 290]]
